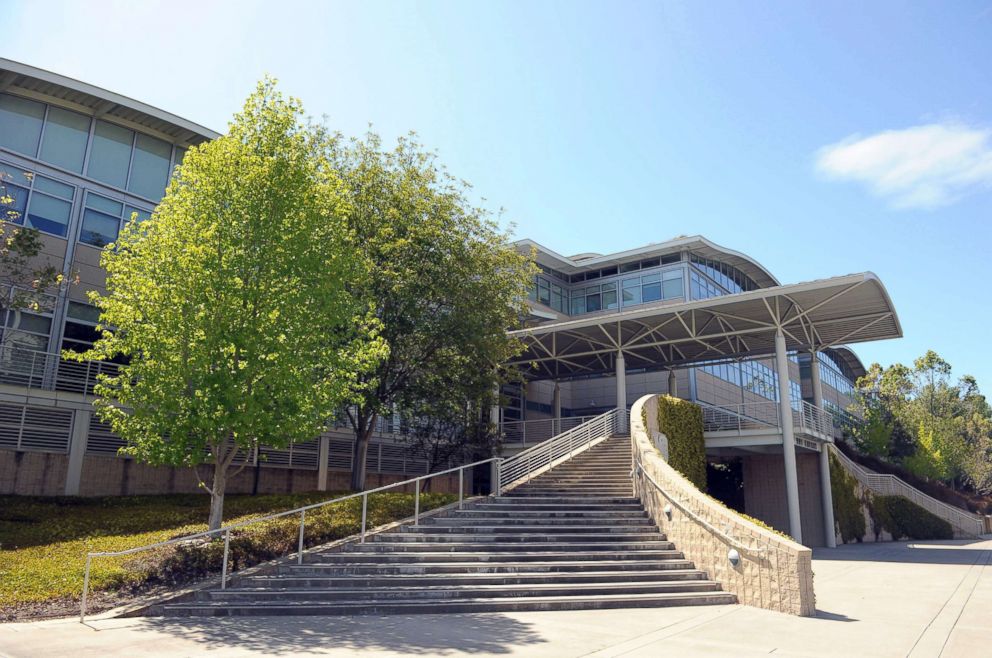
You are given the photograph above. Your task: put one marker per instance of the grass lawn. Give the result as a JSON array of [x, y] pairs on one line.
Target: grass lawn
[[44, 541]]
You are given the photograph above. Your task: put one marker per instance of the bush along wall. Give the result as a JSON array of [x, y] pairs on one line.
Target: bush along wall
[[682, 422], [904, 519], [848, 514]]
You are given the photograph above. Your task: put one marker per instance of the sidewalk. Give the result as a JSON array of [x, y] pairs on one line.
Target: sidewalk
[[919, 599]]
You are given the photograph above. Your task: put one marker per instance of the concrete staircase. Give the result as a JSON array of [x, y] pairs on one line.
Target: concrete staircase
[[572, 538]]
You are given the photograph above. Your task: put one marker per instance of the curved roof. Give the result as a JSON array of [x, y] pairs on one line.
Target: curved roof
[[696, 244], [845, 356], [45, 86]]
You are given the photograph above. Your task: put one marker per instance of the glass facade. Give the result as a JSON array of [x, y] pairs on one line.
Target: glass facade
[[755, 377], [119, 157], [77, 178]]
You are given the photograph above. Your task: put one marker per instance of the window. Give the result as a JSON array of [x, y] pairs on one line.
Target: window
[[102, 219], [50, 205], [80, 327], [16, 185], [26, 330], [66, 134], [110, 154], [150, 167], [20, 124], [652, 287]]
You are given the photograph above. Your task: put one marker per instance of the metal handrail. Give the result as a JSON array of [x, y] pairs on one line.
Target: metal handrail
[[527, 464], [886, 484], [226, 530], [522, 432], [35, 369], [733, 541]]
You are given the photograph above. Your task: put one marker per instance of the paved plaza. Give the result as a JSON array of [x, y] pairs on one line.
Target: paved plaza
[[916, 599]]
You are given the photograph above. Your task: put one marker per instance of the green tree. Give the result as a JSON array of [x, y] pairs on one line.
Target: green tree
[[443, 280], [231, 303]]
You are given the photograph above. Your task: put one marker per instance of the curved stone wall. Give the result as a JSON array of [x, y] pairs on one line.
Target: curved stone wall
[[771, 570]]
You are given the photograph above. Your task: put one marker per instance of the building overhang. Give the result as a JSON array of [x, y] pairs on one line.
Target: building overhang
[[814, 315], [39, 84]]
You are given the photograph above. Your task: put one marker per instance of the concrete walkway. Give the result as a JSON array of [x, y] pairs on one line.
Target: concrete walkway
[[917, 599]]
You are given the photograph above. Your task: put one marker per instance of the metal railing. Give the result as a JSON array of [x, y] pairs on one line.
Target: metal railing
[[518, 469], [885, 484], [302, 511], [522, 432], [48, 371], [765, 415]]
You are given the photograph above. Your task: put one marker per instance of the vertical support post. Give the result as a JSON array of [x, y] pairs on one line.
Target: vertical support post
[[299, 545], [826, 493], [788, 437], [77, 451], [365, 509], [673, 385], [556, 406], [621, 390], [494, 487], [416, 503], [323, 453], [86, 589], [223, 569], [461, 486]]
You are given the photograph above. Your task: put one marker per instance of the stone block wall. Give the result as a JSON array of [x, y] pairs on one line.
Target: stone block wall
[[773, 572]]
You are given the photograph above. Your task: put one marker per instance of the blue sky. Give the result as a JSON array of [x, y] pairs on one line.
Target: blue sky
[[820, 138]]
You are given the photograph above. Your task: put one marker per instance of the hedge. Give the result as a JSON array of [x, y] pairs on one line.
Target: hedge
[[903, 518], [848, 515], [682, 422]]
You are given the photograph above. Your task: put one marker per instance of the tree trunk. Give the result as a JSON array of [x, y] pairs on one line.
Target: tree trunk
[[362, 438], [217, 496]]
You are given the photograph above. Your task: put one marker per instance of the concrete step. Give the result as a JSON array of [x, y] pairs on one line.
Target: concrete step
[[519, 513], [446, 592], [465, 535], [500, 526], [539, 518], [489, 567], [564, 501], [465, 543], [535, 505], [433, 554], [473, 578], [517, 604]]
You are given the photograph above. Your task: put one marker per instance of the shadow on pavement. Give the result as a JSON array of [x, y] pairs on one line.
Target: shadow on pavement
[[832, 616], [416, 634], [958, 551]]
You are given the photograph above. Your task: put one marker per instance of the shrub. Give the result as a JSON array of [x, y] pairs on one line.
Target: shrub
[[848, 515], [903, 518], [682, 422]]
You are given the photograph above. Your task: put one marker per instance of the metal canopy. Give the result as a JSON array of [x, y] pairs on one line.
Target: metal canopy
[[814, 315]]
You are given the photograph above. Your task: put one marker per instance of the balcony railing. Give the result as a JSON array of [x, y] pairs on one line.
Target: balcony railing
[[48, 371], [519, 433], [807, 419]]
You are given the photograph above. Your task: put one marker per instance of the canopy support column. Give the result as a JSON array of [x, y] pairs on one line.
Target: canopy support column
[[556, 406], [826, 494], [621, 384], [673, 386], [788, 437]]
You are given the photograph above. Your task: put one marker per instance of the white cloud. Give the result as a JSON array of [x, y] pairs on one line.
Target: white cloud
[[920, 167]]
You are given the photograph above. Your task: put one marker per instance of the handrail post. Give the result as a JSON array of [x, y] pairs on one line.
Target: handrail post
[[365, 507], [86, 588], [299, 548], [416, 504], [223, 570], [461, 486]]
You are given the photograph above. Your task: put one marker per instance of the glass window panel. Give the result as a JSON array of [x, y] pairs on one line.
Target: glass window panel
[[671, 274], [610, 298], [672, 288], [630, 267], [20, 124], [593, 303], [180, 154], [17, 201], [110, 154], [49, 214], [150, 169], [29, 341], [98, 229], [578, 305], [65, 139], [651, 292], [25, 321], [142, 214], [85, 312], [651, 278], [83, 334], [55, 188], [631, 296], [103, 204]]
